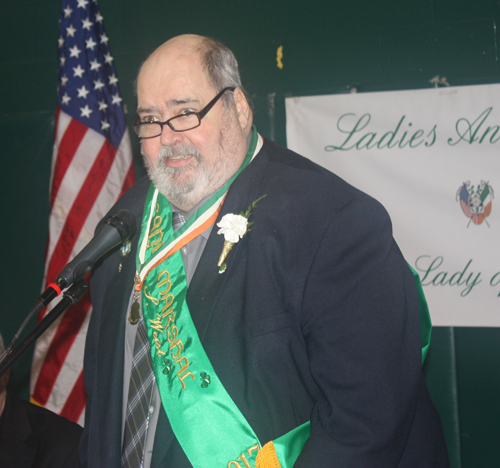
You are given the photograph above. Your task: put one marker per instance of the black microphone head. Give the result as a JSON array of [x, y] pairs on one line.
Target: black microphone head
[[124, 222]]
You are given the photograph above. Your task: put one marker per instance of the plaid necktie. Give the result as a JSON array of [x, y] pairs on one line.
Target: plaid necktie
[[139, 397], [140, 392], [178, 220]]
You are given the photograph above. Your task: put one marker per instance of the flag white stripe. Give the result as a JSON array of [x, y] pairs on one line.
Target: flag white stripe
[[81, 419], [62, 125]]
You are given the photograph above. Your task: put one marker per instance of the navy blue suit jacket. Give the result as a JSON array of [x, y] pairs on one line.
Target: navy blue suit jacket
[[316, 318]]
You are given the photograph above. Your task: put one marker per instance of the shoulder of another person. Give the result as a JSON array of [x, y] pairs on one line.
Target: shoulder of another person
[[43, 421]]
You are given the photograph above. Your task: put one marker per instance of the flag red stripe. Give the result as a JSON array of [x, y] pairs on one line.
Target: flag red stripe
[[81, 208], [129, 179], [59, 348], [67, 148], [75, 403]]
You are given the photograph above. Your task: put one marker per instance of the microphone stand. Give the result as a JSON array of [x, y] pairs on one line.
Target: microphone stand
[[70, 297]]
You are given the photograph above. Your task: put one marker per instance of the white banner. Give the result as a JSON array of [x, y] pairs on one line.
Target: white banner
[[432, 158]]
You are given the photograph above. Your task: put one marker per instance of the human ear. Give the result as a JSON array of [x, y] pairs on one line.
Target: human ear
[[242, 108]]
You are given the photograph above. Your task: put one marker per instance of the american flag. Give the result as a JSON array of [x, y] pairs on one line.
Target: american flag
[[91, 168]]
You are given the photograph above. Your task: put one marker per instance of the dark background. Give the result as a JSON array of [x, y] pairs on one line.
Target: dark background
[[328, 47]]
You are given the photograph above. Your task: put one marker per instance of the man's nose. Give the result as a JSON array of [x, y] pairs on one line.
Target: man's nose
[[169, 137]]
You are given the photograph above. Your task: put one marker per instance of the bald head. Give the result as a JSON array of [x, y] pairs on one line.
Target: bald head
[[174, 51], [178, 62], [217, 60]]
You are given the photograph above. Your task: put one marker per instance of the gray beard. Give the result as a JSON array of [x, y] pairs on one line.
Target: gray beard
[[191, 192]]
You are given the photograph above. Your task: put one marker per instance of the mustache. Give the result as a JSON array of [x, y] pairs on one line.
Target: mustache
[[180, 149]]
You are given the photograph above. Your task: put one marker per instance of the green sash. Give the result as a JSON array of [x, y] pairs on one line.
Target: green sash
[[208, 425], [210, 428], [425, 317]]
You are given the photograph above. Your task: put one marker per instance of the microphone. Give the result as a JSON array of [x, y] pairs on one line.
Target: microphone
[[116, 229]]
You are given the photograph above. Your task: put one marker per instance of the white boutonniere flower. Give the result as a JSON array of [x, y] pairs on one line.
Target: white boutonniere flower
[[233, 227]]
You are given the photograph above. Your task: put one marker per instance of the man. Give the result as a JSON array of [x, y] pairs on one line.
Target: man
[[305, 332], [31, 436]]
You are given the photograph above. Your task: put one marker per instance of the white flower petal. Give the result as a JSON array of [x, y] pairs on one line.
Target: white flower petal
[[233, 227], [231, 236]]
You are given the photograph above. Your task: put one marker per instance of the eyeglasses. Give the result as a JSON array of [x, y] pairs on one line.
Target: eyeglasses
[[179, 123]]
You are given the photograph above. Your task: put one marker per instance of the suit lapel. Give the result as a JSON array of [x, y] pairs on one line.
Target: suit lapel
[[207, 284]]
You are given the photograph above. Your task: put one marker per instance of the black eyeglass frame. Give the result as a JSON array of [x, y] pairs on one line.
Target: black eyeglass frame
[[200, 115]]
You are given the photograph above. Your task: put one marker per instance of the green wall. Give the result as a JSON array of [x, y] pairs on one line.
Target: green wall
[[328, 47]]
